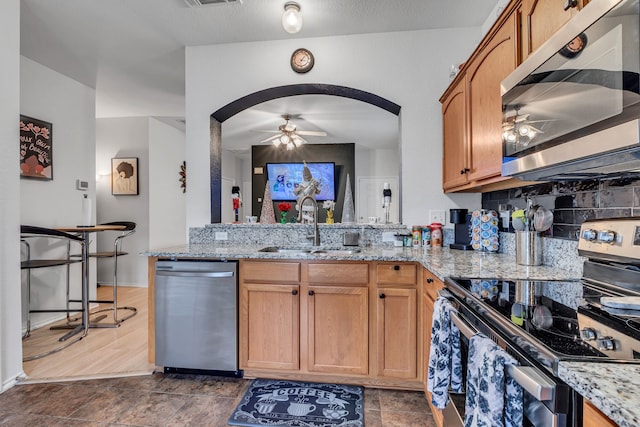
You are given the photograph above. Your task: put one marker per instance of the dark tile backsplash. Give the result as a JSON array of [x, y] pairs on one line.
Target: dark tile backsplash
[[573, 202]]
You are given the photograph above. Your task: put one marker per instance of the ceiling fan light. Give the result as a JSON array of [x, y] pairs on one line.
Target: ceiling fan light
[[285, 139], [297, 141], [276, 142], [290, 146], [292, 19]]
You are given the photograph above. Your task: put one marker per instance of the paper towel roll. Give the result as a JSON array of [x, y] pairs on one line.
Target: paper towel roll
[[86, 210]]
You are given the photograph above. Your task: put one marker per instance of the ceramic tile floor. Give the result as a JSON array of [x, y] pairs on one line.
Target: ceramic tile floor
[[171, 400]]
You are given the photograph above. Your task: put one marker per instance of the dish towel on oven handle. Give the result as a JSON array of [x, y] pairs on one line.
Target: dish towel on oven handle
[[445, 367], [493, 399]]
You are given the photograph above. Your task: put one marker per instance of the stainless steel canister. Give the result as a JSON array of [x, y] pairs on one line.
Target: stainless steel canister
[[528, 248]]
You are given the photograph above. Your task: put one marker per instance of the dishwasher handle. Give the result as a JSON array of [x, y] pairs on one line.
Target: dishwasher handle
[[187, 273]]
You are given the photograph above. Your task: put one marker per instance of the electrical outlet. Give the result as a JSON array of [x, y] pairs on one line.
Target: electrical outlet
[[221, 235], [436, 215]]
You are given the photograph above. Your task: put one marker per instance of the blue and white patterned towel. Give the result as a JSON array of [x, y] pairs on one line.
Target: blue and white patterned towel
[[445, 367], [493, 398]]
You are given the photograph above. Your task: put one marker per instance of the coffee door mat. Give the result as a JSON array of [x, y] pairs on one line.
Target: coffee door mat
[[300, 404]]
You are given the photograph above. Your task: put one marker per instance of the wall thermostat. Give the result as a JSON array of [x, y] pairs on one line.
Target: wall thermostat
[[82, 185]]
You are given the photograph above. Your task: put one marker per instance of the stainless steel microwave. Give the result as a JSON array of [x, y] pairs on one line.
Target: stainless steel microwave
[[572, 109]]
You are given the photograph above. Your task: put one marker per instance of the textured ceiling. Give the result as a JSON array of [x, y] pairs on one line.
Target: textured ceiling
[[132, 51]]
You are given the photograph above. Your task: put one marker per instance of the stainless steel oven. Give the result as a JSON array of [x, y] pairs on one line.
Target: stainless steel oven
[[547, 401], [542, 323]]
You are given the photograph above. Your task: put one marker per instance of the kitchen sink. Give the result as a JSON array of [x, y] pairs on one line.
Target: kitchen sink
[[335, 251], [284, 250], [310, 251]]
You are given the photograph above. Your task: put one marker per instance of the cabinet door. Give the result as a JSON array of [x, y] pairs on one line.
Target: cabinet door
[[496, 60], [454, 137], [431, 285], [269, 326], [592, 417], [541, 19], [338, 329], [397, 336]]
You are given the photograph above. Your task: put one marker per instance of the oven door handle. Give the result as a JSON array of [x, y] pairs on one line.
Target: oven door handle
[[526, 376]]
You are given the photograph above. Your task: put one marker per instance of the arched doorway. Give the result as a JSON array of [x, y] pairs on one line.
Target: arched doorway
[[248, 101]]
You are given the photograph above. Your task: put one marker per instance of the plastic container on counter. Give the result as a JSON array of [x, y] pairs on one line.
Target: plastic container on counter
[[416, 232], [426, 236], [436, 234]]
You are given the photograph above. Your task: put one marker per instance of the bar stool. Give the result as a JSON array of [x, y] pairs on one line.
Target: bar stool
[[27, 233], [128, 230]]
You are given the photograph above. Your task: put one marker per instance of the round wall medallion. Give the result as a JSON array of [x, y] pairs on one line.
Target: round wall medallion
[[302, 60]]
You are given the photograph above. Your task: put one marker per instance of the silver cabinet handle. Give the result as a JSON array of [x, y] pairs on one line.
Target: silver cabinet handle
[[179, 273], [528, 377]]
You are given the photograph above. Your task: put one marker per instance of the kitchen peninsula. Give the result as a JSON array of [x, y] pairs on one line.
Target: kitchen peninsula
[[367, 267]]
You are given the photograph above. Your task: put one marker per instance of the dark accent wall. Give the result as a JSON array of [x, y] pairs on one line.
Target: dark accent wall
[[343, 155], [573, 202], [215, 164]]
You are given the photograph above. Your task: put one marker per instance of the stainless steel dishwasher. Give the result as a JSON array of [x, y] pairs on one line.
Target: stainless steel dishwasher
[[196, 316]]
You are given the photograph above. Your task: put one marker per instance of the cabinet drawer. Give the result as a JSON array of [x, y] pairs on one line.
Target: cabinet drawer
[[396, 274], [339, 273], [431, 285], [269, 271]]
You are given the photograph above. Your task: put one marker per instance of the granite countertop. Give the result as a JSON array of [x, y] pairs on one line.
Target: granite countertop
[[610, 387], [443, 262]]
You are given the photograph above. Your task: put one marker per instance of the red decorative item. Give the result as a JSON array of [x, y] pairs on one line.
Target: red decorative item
[[284, 208]]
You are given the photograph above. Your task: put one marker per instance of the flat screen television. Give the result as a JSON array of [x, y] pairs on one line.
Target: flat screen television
[[284, 178]]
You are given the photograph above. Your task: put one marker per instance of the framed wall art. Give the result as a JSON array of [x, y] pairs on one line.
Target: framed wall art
[[124, 176], [36, 151]]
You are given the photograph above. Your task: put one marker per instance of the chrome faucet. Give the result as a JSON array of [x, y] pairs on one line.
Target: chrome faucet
[[316, 232]]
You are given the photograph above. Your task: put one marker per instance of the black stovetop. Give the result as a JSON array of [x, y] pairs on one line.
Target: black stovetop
[[523, 302]]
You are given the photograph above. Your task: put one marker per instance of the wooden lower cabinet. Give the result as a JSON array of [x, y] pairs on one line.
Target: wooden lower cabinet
[[431, 285], [397, 339], [270, 322], [592, 417], [338, 329], [327, 322]]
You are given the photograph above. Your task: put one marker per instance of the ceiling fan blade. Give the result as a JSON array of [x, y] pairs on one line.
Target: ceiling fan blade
[[267, 131], [300, 140], [271, 138], [311, 133]]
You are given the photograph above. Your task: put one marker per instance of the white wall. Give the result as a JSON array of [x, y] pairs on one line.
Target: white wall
[[10, 313], [123, 137], [70, 107], [408, 68], [167, 213]]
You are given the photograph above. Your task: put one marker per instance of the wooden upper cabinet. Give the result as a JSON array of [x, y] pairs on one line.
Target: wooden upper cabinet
[[454, 129], [541, 19], [493, 63]]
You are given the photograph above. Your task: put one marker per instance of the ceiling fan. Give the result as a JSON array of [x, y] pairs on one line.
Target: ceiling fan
[[288, 135]]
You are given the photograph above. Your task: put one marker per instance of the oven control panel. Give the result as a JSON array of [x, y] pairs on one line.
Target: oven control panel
[[611, 237], [607, 340]]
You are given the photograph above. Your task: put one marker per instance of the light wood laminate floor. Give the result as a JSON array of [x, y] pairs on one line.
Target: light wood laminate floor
[[104, 352]]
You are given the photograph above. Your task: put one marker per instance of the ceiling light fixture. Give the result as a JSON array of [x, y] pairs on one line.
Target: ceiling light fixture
[[292, 19]]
